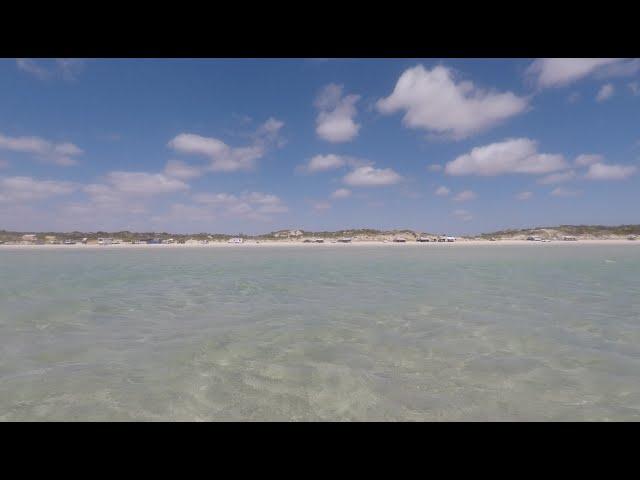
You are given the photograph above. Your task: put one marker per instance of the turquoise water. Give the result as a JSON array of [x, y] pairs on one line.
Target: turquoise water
[[432, 332]]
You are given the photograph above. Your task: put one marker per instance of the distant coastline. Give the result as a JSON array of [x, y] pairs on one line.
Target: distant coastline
[[462, 243], [583, 233]]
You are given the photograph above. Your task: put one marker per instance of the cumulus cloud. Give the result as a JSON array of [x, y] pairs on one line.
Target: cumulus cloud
[[433, 101], [465, 196], [49, 152], [269, 131], [196, 144], [323, 163], [250, 205], [605, 92], [142, 183], [442, 191], [601, 171], [524, 195], [516, 155], [368, 176], [587, 159], [126, 194], [224, 158], [335, 121], [559, 177], [341, 193], [558, 72], [215, 198], [265, 203], [182, 170], [27, 189]]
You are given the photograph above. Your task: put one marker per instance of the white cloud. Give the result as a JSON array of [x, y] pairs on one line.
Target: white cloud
[[369, 176], [230, 159], [142, 183], [517, 155], [341, 193], [269, 133], [223, 157], [564, 192], [250, 205], [465, 196], [271, 127], [623, 68], [265, 203], [559, 177], [587, 159], [635, 88], [335, 121], [49, 152], [442, 191], [30, 66], [109, 205], [463, 215], [67, 68], [26, 189], [105, 201], [434, 167], [199, 145], [524, 195], [605, 92], [110, 209], [601, 171], [215, 198], [128, 191], [558, 72], [181, 170], [433, 101], [321, 163]]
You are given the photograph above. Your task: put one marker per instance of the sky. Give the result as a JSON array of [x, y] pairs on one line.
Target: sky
[[450, 146]]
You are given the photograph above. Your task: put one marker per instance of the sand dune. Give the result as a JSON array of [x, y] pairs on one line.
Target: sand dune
[[354, 244]]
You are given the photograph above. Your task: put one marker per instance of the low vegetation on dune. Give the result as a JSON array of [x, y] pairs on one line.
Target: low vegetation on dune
[[557, 232], [580, 231]]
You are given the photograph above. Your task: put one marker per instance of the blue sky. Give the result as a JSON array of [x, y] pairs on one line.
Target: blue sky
[[439, 145]]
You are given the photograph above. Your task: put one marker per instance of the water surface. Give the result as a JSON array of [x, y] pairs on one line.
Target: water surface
[[432, 332]]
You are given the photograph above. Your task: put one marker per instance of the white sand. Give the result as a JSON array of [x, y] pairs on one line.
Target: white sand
[[300, 244]]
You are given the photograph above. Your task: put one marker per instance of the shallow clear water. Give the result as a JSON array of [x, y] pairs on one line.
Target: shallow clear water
[[431, 332]]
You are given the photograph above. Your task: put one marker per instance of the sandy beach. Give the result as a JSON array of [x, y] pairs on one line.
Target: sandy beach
[[299, 244]]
